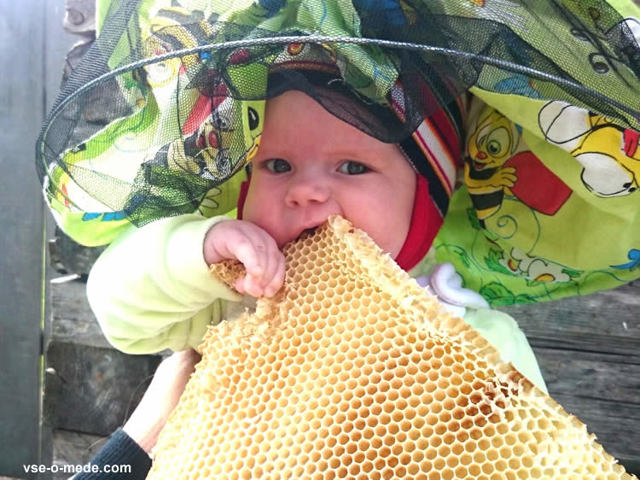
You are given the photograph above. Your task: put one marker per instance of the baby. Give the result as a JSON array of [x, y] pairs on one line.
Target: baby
[[151, 289], [311, 165]]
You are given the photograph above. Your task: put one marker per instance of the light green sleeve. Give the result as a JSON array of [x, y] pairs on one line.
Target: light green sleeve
[[151, 288], [503, 333]]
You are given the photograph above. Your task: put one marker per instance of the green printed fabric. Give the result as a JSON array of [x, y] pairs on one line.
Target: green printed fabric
[[549, 206], [166, 109]]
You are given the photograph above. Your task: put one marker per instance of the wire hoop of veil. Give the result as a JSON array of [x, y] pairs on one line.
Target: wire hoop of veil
[[165, 108]]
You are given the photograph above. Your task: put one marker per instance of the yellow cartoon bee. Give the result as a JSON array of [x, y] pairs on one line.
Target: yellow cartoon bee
[[489, 147], [608, 153], [205, 152]]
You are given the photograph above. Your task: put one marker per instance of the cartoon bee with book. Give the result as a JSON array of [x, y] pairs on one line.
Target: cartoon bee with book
[[499, 164]]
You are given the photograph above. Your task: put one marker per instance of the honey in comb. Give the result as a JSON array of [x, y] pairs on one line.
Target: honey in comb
[[354, 371]]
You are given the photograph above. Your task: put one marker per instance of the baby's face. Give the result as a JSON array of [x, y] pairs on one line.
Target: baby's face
[[311, 165]]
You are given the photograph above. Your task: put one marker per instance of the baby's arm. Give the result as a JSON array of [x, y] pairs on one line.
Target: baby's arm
[[152, 289], [254, 248]]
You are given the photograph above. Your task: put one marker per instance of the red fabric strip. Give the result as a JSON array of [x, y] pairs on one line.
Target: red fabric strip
[[425, 223]]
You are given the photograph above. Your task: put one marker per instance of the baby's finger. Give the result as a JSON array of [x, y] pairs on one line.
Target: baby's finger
[[270, 261], [277, 279], [262, 258], [248, 285], [245, 252]]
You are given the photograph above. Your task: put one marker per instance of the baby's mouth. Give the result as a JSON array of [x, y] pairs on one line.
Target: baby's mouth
[[307, 232]]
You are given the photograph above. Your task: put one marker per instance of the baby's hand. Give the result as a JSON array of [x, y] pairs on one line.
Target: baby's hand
[[254, 248]]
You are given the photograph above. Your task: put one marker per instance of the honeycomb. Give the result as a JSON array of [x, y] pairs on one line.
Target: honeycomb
[[354, 371]]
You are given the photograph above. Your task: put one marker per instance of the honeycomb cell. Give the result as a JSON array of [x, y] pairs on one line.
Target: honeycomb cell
[[353, 371]]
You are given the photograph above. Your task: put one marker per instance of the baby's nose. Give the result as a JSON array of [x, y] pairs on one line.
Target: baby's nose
[[307, 191]]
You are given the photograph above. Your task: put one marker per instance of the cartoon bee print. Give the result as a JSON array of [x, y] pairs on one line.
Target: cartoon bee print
[[489, 147], [608, 153]]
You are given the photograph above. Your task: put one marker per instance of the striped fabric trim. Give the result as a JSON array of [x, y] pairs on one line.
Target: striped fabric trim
[[434, 147], [437, 154], [437, 191]]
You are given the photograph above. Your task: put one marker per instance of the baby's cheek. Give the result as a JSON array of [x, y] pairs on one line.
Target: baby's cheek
[[397, 232], [383, 230]]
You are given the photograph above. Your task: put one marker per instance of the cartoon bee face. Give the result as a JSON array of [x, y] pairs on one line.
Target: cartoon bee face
[[607, 152], [493, 142]]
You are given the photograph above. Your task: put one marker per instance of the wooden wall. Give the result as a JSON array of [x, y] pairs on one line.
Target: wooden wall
[[22, 104], [33, 48]]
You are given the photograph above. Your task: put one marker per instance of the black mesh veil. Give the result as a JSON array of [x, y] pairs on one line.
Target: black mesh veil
[[186, 86]]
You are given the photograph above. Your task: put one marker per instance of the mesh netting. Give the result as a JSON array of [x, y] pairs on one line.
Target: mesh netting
[[186, 83]]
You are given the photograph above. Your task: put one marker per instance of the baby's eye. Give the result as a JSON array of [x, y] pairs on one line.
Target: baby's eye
[[353, 168], [277, 165]]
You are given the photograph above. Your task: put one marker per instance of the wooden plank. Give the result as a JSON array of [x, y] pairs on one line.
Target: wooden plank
[[97, 388], [21, 112], [613, 313], [601, 392], [91, 387], [71, 318], [589, 353]]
